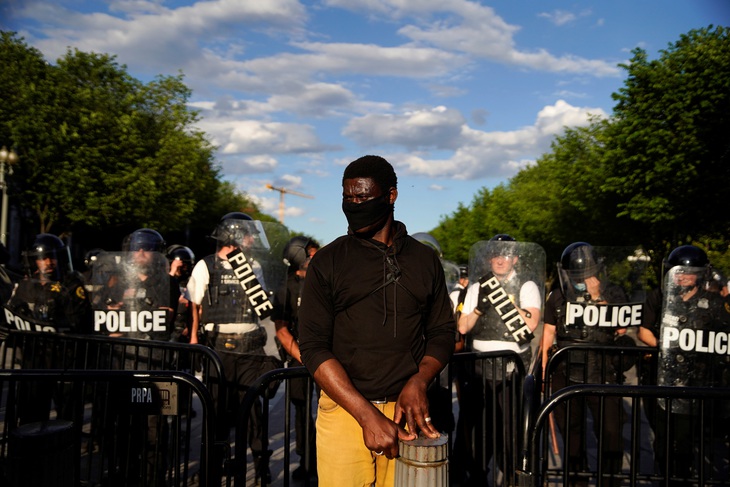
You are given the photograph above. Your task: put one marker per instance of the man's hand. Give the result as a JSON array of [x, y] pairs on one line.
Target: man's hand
[[412, 406], [593, 286], [381, 435]]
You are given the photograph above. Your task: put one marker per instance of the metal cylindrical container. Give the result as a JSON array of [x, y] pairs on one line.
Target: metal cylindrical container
[[423, 462]]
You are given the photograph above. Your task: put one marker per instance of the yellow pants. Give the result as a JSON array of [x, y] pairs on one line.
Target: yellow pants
[[343, 460]]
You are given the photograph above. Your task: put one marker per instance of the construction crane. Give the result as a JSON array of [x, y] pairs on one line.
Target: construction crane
[[282, 191]]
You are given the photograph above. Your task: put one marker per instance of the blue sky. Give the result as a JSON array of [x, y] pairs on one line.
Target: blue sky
[[458, 95]]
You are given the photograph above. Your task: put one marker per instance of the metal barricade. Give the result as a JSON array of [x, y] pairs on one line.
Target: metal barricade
[[239, 468], [709, 438], [30, 350], [647, 429], [178, 451]]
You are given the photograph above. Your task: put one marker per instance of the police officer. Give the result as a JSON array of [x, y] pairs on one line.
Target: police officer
[[297, 254], [137, 279], [135, 283], [51, 293], [501, 310], [223, 307], [182, 260], [583, 282], [686, 307], [51, 298]]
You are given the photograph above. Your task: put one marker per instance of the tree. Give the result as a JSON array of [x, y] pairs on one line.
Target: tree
[[654, 173], [670, 145], [98, 147]]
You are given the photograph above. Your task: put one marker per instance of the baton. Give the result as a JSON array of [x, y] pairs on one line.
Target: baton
[[556, 450]]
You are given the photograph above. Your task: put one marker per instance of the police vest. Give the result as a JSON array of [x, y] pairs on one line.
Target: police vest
[[225, 301], [490, 325]]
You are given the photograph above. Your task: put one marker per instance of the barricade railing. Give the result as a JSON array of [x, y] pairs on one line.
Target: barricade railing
[[488, 387], [479, 367], [31, 350], [238, 467], [121, 428], [709, 432]]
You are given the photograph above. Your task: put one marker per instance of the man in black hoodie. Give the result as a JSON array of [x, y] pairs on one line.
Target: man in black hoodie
[[375, 328]]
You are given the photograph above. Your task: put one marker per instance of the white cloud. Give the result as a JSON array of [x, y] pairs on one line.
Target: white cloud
[[257, 137], [247, 165], [153, 35], [559, 17], [498, 154], [465, 27], [438, 128]]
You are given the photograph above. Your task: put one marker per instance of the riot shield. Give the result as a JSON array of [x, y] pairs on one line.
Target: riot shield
[[507, 273], [39, 305], [621, 274], [451, 273], [694, 341], [246, 272], [132, 296], [17, 319]]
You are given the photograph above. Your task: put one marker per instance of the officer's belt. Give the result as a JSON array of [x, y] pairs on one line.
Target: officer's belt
[[232, 328]]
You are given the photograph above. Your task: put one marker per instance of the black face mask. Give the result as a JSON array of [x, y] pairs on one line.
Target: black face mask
[[361, 215]]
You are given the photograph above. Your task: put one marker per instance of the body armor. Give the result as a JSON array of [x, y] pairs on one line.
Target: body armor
[[225, 300]]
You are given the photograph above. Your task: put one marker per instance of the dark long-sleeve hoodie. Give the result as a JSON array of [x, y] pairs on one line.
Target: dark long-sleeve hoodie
[[378, 310]]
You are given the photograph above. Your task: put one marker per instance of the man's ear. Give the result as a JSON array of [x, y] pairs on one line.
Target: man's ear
[[392, 195]]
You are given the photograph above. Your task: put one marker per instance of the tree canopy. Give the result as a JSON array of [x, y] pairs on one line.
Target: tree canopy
[[99, 149], [656, 173]]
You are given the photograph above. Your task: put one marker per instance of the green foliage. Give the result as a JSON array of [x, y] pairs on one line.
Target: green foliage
[[100, 149], [669, 135], [655, 174]]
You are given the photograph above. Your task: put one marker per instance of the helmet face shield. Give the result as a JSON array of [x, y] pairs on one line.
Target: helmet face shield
[[144, 239], [242, 234], [47, 258], [429, 240], [578, 262]]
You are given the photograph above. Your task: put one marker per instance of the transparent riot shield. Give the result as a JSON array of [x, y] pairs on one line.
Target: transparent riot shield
[[451, 273], [38, 305], [694, 341], [131, 295], [604, 288], [247, 269], [508, 273], [22, 318]]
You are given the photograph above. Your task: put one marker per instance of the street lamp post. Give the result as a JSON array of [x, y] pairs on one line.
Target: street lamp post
[[9, 157]]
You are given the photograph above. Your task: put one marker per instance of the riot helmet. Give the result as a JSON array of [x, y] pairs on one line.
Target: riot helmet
[[296, 252], [579, 261], [239, 230], [463, 272], [91, 257], [144, 239], [501, 254], [692, 260], [428, 239], [687, 255], [47, 258], [501, 245], [186, 258]]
